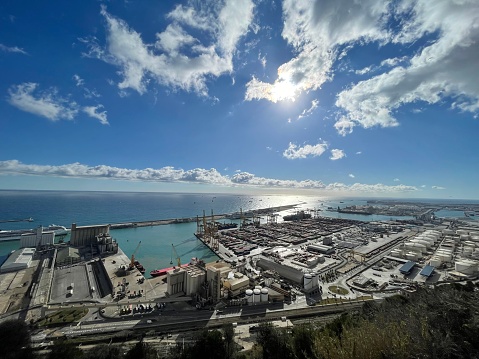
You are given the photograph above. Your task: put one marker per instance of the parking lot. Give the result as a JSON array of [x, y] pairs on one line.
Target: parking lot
[[62, 280]]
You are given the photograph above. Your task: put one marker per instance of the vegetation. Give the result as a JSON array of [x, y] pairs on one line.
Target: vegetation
[[431, 323], [338, 290], [63, 316]]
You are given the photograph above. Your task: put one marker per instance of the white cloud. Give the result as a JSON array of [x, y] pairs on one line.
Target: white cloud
[[50, 104], [166, 61], [447, 67], [438, 187], [262, 59], [396, 180], [359, 152], [309, 111], [87, 92], [295, 152], [78, 80], [337, 154], [12, 49], [351, 175], [316, 31], [47, 104], [197, 175], [94, 111]]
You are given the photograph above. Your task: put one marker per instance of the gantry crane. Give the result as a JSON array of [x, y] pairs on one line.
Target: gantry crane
[[173, 251], [132, 263]]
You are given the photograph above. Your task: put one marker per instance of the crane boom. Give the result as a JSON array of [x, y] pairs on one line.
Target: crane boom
[[132, 263], [176, 255]]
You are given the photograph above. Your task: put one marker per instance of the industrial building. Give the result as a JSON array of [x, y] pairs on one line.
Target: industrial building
[[38, 238], [86, 235], [20, 259]]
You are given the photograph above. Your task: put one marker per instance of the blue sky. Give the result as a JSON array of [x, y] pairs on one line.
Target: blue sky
[[366, 98]]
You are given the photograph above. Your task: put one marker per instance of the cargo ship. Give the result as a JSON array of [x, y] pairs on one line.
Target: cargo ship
[[161, 272]]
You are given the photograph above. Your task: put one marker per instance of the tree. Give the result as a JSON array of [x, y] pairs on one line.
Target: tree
[[15, 339], [62, 349]]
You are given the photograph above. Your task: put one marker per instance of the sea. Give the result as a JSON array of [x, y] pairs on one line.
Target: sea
[[155, 250]]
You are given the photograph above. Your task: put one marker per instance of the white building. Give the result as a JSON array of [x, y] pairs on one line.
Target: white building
[[39, 238], [20, 259]]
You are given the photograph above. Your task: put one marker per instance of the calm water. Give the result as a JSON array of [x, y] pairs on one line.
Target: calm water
[[87, 208]]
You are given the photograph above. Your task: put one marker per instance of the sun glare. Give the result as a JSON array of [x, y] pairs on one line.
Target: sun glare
[[283, 90]]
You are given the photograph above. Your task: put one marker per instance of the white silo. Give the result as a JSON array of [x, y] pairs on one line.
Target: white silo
[[308, 281], [249, 296], [257, 295], [466, 266], [315, 280], [264, 294], [435, 261]]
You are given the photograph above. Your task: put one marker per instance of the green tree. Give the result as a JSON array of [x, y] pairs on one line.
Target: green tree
[[62, 349], [15, 340]]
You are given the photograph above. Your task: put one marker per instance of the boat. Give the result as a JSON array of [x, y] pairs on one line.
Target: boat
[[161, 272], [59, 230]]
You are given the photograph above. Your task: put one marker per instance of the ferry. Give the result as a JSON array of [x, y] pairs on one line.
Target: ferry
[[59, 230]]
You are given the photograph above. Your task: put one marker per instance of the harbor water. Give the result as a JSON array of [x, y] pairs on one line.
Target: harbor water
[[154, 252]]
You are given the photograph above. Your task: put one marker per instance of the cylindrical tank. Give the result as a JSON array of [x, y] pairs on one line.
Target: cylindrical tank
[[264, 294], [258, 287], [257, 295], [466, 266], [475, 238], [249, 296], [308, 281], [315, 280], [435, 262], [411, 256]]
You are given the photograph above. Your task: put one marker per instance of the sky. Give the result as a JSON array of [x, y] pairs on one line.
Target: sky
[[330, 97]]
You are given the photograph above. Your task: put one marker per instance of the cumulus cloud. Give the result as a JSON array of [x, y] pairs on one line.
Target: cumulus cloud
[[351, 175], [446, 68], [46, 104], [197, 175], [294, 151], [396, 180], [337, 154], [317, 31], [12, 49], [177, 59], [438, 187], [50, 104], [95, 112]]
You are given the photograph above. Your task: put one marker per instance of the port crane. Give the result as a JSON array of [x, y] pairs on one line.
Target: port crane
[[132, 263], [173, 251]]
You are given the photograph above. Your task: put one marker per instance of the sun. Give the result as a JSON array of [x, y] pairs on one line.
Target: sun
[[283, 90]]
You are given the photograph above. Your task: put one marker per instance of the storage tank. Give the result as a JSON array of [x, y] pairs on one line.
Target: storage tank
[[475, 238], [257, 295], [435, 261], [466, 266], [411, 256], [249, 296], [447, 231], [464, 237], [264, 295], [308, 281], [315, 280]]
